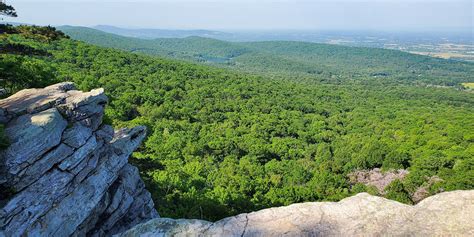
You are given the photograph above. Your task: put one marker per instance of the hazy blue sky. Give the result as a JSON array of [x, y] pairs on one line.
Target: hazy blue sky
[[247, 14]]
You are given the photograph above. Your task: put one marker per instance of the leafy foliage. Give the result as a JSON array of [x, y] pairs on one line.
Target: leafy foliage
[[223, 142], [397, 192], [23, 65], [39, 33], [7, 10]]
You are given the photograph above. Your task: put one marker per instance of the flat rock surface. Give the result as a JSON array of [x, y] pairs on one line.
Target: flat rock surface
[[445, 214], [34, 100]]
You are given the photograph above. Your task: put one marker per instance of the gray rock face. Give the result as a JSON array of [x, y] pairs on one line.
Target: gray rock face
[[77, 135], [31, 136], [65, 173], [445, 214]]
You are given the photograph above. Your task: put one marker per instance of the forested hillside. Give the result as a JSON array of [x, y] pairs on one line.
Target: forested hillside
[[223, 142], [321, 62]]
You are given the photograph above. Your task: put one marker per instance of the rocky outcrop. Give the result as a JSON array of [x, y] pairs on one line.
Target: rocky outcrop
[[445, 214], [377, 178], [380, 180], [64, 172]]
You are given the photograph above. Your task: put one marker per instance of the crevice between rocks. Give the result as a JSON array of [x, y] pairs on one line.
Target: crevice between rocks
[[246, 224]]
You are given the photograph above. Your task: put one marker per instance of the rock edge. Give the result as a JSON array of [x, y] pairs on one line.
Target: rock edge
[[445, 214]]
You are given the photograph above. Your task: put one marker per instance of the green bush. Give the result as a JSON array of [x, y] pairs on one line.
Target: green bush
[[396, 191]]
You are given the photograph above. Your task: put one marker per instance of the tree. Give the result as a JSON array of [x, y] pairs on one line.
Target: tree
[[396, 191], [7, 10]]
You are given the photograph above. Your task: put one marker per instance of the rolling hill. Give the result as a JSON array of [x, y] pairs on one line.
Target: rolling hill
[[291, 59], [159, 33]]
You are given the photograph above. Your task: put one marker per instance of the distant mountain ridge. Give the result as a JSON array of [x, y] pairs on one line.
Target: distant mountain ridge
[[159, 33], [455, 45], [315, 60]]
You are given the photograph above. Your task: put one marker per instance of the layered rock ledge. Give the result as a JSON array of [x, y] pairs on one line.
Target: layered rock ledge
[[64, 172], [445, 214]]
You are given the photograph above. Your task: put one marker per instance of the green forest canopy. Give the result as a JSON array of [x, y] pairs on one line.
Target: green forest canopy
[[223, 142]]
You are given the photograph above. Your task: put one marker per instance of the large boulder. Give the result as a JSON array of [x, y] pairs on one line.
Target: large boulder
[[445, 214], [65, 173]]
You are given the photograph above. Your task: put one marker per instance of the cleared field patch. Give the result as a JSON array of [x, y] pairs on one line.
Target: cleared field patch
[[469, 85], [446, 55]]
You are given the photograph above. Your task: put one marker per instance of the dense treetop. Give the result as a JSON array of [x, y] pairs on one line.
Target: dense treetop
[[222, 142]]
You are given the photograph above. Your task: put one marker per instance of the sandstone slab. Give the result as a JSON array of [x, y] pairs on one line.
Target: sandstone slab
[[445, 214]]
